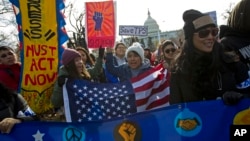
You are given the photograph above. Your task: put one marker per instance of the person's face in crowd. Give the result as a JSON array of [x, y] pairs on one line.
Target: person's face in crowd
[[7, 57], [169, 52], [134, 60], [79, 64], [204, 39], [120, 51], [83, 55]]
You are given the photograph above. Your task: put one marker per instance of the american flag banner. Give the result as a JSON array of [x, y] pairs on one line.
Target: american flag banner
[[152, 89], [90, 101]]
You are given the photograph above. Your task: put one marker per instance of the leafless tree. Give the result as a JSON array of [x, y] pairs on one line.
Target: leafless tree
[[8, 25], [75, 17], [227, 12]]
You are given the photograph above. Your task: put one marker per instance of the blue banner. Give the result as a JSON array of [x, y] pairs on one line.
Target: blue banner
[[197, 121]]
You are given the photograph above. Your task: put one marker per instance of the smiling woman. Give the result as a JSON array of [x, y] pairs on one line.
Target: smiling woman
[[200, 73]]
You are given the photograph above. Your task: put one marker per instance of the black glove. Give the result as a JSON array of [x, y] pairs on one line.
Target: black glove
[[61, 80], [231, 97], [101, 52]]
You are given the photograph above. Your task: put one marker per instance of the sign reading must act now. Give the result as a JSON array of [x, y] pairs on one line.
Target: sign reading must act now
[[133, 30]]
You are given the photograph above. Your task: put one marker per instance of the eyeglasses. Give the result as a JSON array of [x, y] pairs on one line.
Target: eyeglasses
[[168, 50], [205, 32], [8, 54]]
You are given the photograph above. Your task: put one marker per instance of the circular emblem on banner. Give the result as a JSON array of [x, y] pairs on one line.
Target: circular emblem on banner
[[242, 117], [127, 131], [73, 134], [187, 123]]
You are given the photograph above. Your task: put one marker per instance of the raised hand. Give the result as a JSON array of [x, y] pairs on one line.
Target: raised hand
[[7, 124], [98, 18]]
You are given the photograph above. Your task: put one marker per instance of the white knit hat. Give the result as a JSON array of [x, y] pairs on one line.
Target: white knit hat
[[136, 47]]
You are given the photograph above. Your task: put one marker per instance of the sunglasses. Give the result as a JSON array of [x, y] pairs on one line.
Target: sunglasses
[[205, 32], [8, 54], [168, 50]]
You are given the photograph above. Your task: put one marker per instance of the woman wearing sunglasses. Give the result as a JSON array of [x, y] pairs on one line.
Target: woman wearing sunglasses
[[200, 73], [10, 68], [169, 51]]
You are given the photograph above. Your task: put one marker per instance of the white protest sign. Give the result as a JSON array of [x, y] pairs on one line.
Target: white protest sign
[[133, 30]]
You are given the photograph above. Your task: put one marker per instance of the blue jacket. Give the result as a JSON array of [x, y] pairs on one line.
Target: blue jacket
[[124, 72]]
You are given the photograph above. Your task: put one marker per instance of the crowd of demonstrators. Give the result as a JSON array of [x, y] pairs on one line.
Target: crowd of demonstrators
[[235, 38], [201, 71], [13, 109], [136, 63], [10, 68], [73, 67]]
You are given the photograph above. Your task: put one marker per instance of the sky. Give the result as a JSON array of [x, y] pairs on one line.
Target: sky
[[167, 13]]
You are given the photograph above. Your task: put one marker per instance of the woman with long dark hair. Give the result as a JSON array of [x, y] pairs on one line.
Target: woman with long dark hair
[[202, 71]]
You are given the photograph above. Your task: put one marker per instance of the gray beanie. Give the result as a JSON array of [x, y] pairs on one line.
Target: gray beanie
[[136, 47]]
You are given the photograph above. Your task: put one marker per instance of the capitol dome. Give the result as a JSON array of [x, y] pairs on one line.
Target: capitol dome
[[153, 27]]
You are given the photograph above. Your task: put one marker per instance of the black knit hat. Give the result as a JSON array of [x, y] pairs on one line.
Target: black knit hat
[[194, 21]]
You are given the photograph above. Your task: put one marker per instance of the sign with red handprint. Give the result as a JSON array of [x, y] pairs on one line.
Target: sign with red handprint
[[100, 24]]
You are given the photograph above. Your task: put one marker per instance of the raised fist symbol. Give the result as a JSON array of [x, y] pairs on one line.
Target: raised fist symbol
[[127, 131], [98, 18]]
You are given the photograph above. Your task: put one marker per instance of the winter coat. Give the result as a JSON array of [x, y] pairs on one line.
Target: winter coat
[[16, 108], [124, 72], [181, 87], [109, 77], [197, 83], [234, 40], [10, 75]]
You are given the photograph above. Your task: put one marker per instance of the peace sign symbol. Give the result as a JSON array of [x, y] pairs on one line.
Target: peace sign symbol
[[74, 134]]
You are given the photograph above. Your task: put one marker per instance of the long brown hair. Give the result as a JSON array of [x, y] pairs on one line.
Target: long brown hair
[[89, 59], [72, 70]]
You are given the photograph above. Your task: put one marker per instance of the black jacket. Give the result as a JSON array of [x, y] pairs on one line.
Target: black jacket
[[237, 41], [181, 86], [12, 107], [195, 80]]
